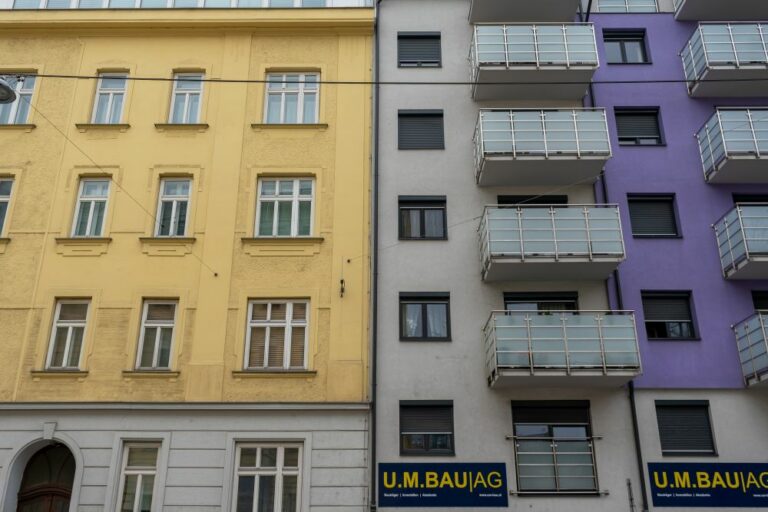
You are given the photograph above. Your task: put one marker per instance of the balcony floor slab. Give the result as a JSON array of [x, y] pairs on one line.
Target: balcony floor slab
[[531, 170], [523, 10], [732, 82], [522, 378], [756, 267], [717, 10], [741, 169], [533, 269], [532, 83]]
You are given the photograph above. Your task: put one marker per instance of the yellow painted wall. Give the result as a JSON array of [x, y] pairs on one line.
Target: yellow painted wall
[[214, 275]]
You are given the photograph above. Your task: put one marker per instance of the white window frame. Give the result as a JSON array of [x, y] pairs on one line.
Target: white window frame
[[187, 93], [295, 199], [21, 95], [111, 93], [174, 209], [141, 472], [70, 326], [159, 325], [91, 209], [279, 471], [289, 323], [281, 77], [7, 201]]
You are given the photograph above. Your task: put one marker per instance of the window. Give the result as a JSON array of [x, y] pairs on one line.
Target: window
[[18, 111], [110, 96], [668, 315], [91, 208], [418, 49], [625, 46], [67, 335], [137, 477], [420, 129], [685, 428], [185, 102], [532, 200], [426, 428], [638, 127], [158, 320], [653, 216], [541, 302], [760, 300], [268, 478], [173, 207], [554, 450], [425, 317], [277, 335], [292, 98], [285, 207], [422, 218], [6, 185], [626, 6]]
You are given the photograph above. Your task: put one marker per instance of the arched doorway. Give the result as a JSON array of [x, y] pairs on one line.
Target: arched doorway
[[47, 482]]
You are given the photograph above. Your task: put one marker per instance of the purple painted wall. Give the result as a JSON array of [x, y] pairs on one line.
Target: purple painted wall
[[690, 262]]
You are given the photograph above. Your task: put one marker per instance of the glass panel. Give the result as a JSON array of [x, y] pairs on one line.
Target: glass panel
[[5, 188], [3, 212], [290, 492], [613, 52], [179, 105], [129, 493], [278, 311], [153, 4], [433, 223], [305, 218], [291, 108], [259, 311], [166, 213], [164, 358], [98, 218], [273, 107], [411, 219], [299, 310], [101, 109], [258, 345], [291, 458], [59, 345], [268, 458], [412, 321], [268, 187], [117, 108], [285, 187], [310, 104], [297, 347], [245, 491], [142, 456], [181, 216], [161, 312], [284, 215], [248, 457], [440, 441], [266, 218], [148, 349], [193, 114], [266, 502], [73, 312], [437, 320], [82, 218], [276, 348], [147, 485]]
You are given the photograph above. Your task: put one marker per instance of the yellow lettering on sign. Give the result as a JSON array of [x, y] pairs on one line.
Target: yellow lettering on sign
[[682, 480], [432, 480], [732, 485], [664, 482], [410, 480], [460, 480], [702, 480], [479, 481], [764, 479], [446, 480], [494, 480], [387, 483], [717, 480], [752, 481]]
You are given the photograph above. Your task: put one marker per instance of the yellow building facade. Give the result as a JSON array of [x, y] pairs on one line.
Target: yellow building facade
[[184, 254]]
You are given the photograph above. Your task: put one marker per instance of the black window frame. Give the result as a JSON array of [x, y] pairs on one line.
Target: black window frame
[[422, 113], [640, 111], [759, 296], [434, 36], [424, 298], [670, 294], [421, 203], [651, 198], [698, 404], [623, 36], [426, 451]]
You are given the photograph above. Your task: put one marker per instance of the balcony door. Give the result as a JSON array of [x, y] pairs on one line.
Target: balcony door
[[47, 482]]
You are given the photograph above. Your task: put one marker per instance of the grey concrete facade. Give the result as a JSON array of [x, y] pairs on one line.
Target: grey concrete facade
[[196, 461]]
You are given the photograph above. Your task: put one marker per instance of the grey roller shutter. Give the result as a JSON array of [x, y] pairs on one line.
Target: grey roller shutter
[[652, 216], [666, 308], [638, 127], [420, 129], [426, 418], [685, 429], [418, 50]]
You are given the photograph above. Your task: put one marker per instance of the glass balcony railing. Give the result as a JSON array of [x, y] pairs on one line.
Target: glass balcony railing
[[752, 342], [738, 137], [736, 50], [742, 239], [179, 4], [636, 6], [568, 342], [556, 233]]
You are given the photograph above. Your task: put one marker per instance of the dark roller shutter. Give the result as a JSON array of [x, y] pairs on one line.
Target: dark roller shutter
[[760, 300], [685, 429], [663, 308], [544, 412], [417, 50], [426, 418], [652, 216], [418, 129], [638, 127]]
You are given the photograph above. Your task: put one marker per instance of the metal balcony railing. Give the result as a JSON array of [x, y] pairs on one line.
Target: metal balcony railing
[[586, 232], [607, 6], [556, 464], [540, 46], [724, 45], [567, 341], [733, 133], [742, 235], [179, 4], [752, 342]]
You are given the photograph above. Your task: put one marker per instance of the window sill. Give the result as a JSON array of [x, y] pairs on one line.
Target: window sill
[[18, 127], [150, 374], [274, 246], [64, 374], [84, 127], [167, 246], [82, 246], [287, 126], [426, 340], [200, 127], [269, 373], [3, 244]]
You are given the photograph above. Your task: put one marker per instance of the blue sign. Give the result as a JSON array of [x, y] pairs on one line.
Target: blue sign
[[443, 485], [709, 485]]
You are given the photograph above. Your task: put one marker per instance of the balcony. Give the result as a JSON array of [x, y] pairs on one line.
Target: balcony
[[752, 342], [522, 10], [727, 60], [734, 146], [179, 4], [742, 239], [716, 10], [537, 62], [561, 348], [550, 242], [540, 147]]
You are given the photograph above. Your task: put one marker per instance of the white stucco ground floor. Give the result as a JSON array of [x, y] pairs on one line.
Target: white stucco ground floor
[[178, 457]]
